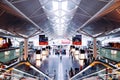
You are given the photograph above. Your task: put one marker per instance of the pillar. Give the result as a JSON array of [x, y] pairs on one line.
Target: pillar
[[25, 49], [94, 48]]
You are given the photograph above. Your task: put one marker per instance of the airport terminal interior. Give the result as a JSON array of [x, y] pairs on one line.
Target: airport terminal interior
[[59, 39]]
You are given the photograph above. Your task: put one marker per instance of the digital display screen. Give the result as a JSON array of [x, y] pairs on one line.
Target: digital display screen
[[77, 40], [43, 40]]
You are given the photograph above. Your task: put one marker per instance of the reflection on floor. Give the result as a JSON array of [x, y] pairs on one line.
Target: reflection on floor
[[60, 72], [58, 66]]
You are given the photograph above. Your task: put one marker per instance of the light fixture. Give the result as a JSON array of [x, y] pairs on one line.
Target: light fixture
[[38, 56], [7, 53], [82, 56], [47, 51], [38, 62], [76, 53], [17, 52], [38, 59], [114, 52], [81, 62], [44, 57], [44, 54], [81, 59]]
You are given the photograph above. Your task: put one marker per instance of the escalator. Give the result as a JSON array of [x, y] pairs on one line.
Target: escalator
[[102, 75], [23, 69], [17, 75], [97, 70]]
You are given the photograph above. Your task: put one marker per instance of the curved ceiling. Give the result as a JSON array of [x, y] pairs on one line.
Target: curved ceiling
[[60, 18]]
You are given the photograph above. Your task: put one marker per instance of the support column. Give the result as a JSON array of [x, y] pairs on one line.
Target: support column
[[25, 49], [94, 48]]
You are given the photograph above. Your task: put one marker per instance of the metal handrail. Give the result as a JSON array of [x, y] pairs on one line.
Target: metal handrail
[[24, 73], [97, 73], [91, 74], [92, 64], [30, 65]]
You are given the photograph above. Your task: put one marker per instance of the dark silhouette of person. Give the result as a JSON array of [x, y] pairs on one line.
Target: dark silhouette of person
[[71, 72], [9, 42]]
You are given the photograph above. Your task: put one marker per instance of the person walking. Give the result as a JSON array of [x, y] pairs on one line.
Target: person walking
[[71, 74]]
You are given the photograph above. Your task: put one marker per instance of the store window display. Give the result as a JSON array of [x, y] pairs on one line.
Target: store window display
[[5, 42]]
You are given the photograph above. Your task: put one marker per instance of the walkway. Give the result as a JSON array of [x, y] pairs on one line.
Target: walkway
[[58, 66]]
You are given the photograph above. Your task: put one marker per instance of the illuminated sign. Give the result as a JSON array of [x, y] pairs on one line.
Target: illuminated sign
[[43, 40], [77, 40]]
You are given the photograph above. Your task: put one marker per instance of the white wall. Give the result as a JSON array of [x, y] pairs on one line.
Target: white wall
[[85, 39], [110, 40]]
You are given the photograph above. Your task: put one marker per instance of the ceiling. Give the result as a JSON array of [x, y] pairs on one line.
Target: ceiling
[[60, 18]]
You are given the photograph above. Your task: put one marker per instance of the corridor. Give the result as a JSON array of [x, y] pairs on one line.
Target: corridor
[[58, 66]]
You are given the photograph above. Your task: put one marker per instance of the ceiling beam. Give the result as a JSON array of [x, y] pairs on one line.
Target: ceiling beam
[[2, 13], [103, 33], [95, 15], [104, 0], [35, 11], [81, 8], [13, 2], [81, 32], [82, 15], [36, 32], [42, 5], [11, 5], [37, 15], [85, 33], [17, 34]]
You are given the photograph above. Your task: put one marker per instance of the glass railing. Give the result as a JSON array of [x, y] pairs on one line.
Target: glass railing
[[102, 75], [29, 70], [10, 54], [23, 70], [110, 53], [95, 69], [92, 76], [17, 74]]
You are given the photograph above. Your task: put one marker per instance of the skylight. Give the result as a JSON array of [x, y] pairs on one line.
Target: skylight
[[59, 7], [64, 5], [55, 5], [60, 14]]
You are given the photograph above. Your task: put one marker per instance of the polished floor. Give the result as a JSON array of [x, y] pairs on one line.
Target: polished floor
[[58, 66]]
